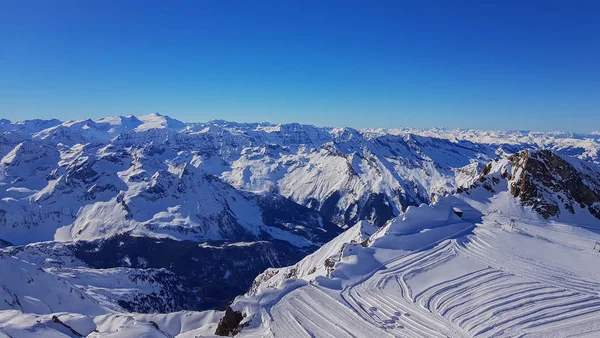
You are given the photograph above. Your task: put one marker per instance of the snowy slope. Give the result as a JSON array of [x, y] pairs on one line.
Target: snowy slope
[[475, 276], [501, 269], [26, 287], [86, 192], [319, 263], [144, 274], [120, 179], [183, 324]]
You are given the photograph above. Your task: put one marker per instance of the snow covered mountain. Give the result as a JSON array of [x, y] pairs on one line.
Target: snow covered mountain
[[120, 198], [345, 174], [552, 185], [493, 260], [150, 214]]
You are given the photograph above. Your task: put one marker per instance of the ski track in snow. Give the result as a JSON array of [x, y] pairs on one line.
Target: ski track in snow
[[492, 293], [297, 316]]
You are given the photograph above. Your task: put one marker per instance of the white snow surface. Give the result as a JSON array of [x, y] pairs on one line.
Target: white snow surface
[[430, 273], [183, 324]]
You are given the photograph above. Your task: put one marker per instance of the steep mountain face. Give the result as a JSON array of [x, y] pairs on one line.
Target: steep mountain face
[[131, 192], [86, 193], [353, 176], [145, 240], [550, 184], [344, 174]]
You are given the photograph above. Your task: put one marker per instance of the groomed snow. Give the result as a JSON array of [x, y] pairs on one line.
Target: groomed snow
[[472, 277]]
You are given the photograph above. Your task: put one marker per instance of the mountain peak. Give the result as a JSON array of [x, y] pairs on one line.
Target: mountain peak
[[552, 185], [158, 121]]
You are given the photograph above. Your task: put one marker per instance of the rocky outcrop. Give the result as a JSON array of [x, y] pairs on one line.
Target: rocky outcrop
[[549, 183], [545, 181], [230, 323]]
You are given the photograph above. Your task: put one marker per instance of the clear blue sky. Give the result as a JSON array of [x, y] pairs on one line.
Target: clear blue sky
[[507, 65]]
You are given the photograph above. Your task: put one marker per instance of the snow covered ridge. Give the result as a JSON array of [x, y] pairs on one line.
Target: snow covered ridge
[[489, 261], [90, 181], [498, 269], [106, 197], [581, 145], [345, 174], [319, 263]]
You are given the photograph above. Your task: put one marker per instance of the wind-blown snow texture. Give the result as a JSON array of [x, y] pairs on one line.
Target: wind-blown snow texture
[[149, 214]]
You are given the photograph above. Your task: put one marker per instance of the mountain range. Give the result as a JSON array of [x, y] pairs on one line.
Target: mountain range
[[317, 230]]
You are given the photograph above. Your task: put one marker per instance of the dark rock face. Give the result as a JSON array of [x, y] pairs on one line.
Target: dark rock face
[[546, 180], [375, 208], [230, 323]]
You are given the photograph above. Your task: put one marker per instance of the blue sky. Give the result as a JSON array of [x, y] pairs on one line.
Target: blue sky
[[450, 64]]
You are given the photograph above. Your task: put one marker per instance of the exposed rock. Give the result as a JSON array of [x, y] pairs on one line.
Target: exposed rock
[[543, 180], [230, 323], [546, 182]]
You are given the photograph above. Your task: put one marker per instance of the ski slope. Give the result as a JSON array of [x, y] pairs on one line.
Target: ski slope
[[475, 277], [473, 286]]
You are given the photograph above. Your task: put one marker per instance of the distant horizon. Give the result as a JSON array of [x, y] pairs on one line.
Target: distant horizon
[[271, 123], [452, 64]]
